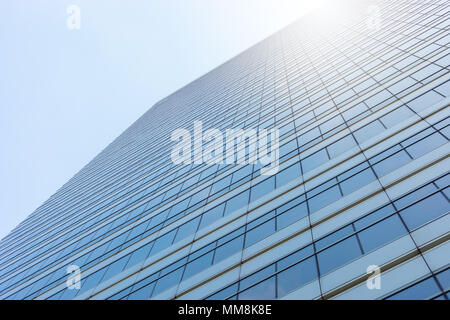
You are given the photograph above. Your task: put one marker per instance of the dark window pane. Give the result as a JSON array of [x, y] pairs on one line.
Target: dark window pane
[[262, 188], [198, 265], [167, 281], [357, 181], [338, 255], [420, 291], [260, 232], [290, 216], [323, 199], [334, 237], [164, 242], [296, 276], [288, 174], [414, 196], [224, 293], [390, 164], [341, 146], [381, 233], [143, 293], [187, 229], [425, 211], [426, 145], [314, 160], [212, 215], [262, 291], [237, 202], [444, 279], [373, 217], [228, 249], [256, 277]]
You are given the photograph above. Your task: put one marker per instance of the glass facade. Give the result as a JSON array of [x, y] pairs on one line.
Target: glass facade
[[362, 112]]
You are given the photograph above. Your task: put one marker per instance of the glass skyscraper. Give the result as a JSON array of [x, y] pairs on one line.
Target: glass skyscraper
[[359, 208]]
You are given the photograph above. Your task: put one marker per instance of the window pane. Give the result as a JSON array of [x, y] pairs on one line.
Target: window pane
[[139, 255], [143, 293], [212, 215], [444, 279], [396, 116], [373, 217], [295, 257], [338, 255], [341, 146], [262, 188], [262, 291], [443, 182], [314, 160], [425, 211], [91, 281], [444, 89], [288, 174], [334, 237], [381, 233], [260, 232], [323, 199], [167, 281], [357, 181], [237, 202], [369, 131], [290, 216], [187, 229], [390, 164], [228, 249], [198, 265], [296, 276], [115, 268], [222, 183], [424, 101], [426, 145], [164, 242], [414, 196], [256, 277], [421, 291], [308, 137], [224, 293]]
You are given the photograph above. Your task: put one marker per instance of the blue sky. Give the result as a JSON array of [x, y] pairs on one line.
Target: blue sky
[[65, 94]]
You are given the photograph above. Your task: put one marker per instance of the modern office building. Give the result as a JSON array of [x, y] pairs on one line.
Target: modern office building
[[361, 104]]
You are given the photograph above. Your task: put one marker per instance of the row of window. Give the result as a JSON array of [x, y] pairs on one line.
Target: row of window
[[332, 251], [68, 250], [318, 197]]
